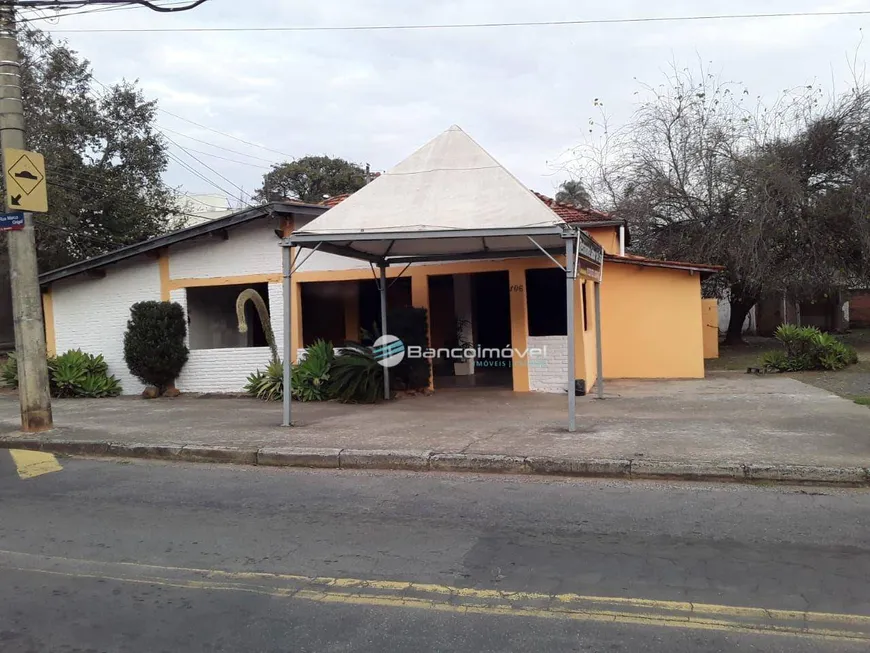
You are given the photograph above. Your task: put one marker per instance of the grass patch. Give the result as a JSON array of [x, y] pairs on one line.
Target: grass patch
[[862, 401]]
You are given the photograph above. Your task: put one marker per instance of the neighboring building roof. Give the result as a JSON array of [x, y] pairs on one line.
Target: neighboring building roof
[[189, 233], [335, 200], [633, 259], [573, 214], [449, 183]]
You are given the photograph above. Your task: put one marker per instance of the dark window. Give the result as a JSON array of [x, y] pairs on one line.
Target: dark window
[[212, 321], [545, 301], [323, 306], [585, 312]]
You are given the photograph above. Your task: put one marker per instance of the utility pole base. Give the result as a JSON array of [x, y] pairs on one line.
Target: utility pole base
[[36, 421]]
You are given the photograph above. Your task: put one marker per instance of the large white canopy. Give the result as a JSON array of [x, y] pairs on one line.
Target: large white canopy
[[448, 200]]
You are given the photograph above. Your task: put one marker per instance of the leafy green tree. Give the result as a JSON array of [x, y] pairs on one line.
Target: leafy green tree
[[104, 156], [574, 193], [311, 179]]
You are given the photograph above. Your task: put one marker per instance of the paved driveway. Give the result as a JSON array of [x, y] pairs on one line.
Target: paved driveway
[[728, 416]]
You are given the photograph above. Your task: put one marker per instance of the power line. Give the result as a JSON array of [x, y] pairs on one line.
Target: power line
[[209, 143], [88, 184], [211, 129], [241, 190], [216, 131], [447, 26], [224, 158], [125, 7], [203, 177], [185, 165], [78, 4]]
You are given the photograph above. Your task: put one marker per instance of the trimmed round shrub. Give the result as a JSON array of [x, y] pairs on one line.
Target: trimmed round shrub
[[154, 346]]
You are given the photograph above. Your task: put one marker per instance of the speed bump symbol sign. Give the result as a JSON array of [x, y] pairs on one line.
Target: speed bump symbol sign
[[25, 181]]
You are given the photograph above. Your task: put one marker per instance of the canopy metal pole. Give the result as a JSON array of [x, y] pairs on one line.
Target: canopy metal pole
[[569, 300], [288, 306], [599, 358], [383, 289]]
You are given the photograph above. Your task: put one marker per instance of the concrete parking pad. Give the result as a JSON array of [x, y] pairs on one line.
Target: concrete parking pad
[[726, 417]]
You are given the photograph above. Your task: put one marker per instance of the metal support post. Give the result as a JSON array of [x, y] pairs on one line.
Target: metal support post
[[288, 340], [569, 300], [383, 290]]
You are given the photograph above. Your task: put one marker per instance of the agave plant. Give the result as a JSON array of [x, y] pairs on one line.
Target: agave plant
[[357, 377], [268, 385], [311, 375], [9, 371]]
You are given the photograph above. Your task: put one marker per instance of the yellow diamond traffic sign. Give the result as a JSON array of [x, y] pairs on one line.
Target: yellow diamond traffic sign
[[25, 181]]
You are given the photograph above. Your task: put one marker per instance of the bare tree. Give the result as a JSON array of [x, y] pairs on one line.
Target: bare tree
[[774, 192]]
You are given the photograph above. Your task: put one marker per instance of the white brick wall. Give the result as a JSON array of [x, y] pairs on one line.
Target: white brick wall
[[549, 373], [180, 297], [276, 315], [91, 314], [221, 370], [251, 249]]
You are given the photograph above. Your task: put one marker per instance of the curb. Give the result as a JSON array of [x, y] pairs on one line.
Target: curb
[[421, 461]]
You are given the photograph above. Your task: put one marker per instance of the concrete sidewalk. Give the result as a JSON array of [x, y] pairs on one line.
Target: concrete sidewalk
[[729, 426]]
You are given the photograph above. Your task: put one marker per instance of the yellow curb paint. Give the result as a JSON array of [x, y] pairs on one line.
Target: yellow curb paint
[[461, 600], [30, 464]]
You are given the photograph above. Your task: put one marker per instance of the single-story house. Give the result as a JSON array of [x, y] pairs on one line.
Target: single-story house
[[654, 324]]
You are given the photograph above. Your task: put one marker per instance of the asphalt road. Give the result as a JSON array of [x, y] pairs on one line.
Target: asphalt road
[[149, 557]]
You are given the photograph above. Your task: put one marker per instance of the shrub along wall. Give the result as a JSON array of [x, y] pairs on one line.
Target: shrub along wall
[[72, 374]]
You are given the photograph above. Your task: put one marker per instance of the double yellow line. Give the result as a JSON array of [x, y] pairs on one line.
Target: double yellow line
[[464, 600]]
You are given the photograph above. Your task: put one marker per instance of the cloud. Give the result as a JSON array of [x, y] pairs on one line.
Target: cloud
[[374, 97]]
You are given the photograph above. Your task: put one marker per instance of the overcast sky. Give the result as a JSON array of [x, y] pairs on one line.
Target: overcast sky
[[524, 93]]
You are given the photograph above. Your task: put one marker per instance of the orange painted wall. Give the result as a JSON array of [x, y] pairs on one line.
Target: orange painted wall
[[710, 326], [607, 237], [650, 322]]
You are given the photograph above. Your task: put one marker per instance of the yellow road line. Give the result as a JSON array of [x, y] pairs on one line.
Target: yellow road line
[[445, 598], [30, 464]]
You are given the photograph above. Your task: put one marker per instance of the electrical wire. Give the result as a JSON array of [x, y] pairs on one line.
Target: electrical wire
[[204, 178], [240, 198], [78, 4], [211, 129], [96, 187], [225, 149], [241, 190], [54, 17], [450, 26], [224, 158], [216, 131]]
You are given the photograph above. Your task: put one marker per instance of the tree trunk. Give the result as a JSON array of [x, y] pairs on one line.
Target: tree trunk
[[739, 310]]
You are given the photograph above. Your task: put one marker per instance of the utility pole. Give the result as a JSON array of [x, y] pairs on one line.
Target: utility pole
[[26, 298]]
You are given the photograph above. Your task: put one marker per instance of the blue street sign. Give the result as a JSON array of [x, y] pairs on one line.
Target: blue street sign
[[11, 221]]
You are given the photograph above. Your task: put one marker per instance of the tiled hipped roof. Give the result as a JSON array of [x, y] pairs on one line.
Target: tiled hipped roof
[[572, 214]]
